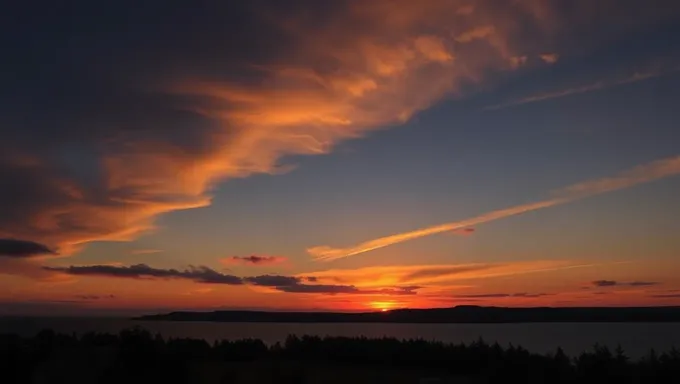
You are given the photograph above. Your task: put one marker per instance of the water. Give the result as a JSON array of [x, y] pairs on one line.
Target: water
[[635, 338]]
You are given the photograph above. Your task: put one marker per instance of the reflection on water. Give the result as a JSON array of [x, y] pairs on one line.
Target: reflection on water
[[635, 338]]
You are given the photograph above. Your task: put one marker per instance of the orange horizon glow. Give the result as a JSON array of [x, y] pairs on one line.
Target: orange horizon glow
[[308, 161]]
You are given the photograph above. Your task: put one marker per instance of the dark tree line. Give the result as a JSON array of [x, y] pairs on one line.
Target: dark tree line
[[137, 356]]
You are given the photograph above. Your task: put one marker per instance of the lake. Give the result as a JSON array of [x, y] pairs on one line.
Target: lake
[[635, 338]]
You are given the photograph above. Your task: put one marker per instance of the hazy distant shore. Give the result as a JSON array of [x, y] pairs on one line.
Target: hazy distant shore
[[460, 314]]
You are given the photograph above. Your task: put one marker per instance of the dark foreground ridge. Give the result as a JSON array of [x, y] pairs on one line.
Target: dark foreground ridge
[[137, 356], [460, 314]]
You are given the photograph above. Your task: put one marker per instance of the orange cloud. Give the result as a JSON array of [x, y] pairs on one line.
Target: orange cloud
[[477, 33], [550, 58], [431, 275], [336, 84], [145, 251], [320, 74], [638, 175], [518, 61]]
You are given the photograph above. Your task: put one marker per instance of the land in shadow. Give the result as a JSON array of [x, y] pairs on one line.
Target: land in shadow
[[459, 314], [137, 356]]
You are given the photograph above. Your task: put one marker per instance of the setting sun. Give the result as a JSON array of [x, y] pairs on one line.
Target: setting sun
[[383, 306], [383, 159]]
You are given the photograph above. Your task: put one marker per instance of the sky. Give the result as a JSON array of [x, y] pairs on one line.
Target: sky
[[338, 156]]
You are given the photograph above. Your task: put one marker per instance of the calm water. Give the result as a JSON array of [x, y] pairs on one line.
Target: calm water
[[635, 338]]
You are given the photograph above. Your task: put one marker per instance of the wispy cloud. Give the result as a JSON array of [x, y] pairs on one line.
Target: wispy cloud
[[500, 295], [642, 283], [550, 58], [476, 33], [596, 86], [465, 231], [199, 291], [253, 260], [518, 61], [95, 297], [213, 111], [530, 295], [199, 274], [145, 251], [369, 281], [641, 174], [206, 275], [604, 283], [612, 283], [436, 275], [347, 289]]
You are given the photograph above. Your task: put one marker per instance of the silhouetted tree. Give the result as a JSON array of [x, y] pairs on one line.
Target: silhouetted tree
[[137, 356]]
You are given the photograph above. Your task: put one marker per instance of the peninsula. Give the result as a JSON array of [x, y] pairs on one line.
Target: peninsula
[[459, 314]]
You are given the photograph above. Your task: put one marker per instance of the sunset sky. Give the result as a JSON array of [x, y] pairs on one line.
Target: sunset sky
[[350, 155]]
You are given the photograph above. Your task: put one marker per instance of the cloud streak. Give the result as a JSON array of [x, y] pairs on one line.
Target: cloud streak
[[95, 297], [206, 275], [145, 251], [612, 283], [500, 295], [370, 281], [666, 296], [198, 274], [596, 86], [641, 174], [346, 289], [436, 275]]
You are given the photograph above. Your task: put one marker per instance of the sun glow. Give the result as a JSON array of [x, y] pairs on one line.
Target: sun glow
[[383, 306]]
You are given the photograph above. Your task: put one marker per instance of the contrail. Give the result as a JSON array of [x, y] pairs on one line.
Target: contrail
[[641, 174], [596, 86]]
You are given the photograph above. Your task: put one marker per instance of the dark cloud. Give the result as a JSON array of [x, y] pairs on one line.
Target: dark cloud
[[198, 274], [254, 260], [612, 283], [604, 283], [464, 231], [23, 248], [318, 288], [71, 134], [202, 274], [272, 280], [667, 296], [643, 283]]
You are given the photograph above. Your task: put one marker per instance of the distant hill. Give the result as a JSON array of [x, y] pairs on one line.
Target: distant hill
[[459, 314]]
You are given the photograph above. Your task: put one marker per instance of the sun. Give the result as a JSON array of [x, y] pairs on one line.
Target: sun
[[383, 306]]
